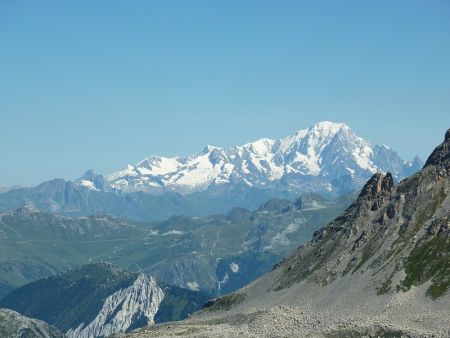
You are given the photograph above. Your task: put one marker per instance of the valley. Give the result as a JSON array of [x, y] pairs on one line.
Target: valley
[[189, 252]]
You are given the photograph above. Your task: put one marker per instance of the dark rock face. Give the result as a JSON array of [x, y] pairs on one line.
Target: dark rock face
[[390, 212], [441, 155]]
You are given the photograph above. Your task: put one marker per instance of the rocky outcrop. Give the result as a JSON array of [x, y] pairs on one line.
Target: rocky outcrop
[[121, 310], [441, 155], [377, 184]]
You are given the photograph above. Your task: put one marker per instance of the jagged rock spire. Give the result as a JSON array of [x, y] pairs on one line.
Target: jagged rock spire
[[441, 153], [377, 184]]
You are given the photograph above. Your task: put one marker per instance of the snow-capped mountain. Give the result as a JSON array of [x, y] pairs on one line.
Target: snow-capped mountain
[[326, 157]]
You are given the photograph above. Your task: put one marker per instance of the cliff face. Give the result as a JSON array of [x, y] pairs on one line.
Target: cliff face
[[441, 155], [123, 309]]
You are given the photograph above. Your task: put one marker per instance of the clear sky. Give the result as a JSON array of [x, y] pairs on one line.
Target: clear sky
[[98, 84]]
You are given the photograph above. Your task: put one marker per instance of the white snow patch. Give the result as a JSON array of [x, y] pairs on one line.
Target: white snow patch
[[173, 232], [223, 281], [88, 184], [234, 267], [193, 286], [362, 158]]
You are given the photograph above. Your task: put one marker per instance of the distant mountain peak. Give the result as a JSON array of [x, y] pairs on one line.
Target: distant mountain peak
[[326, 157], [90, 173], [331, 127], [93, 181]]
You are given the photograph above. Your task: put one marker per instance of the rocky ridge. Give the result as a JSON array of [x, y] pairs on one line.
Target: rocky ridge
[[122, 309]]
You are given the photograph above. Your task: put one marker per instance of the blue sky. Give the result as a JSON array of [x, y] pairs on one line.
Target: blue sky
[[98, 84]]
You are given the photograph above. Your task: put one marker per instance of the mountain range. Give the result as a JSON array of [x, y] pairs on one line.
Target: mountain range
[[328, 159], [190, 252], [380, 269]]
